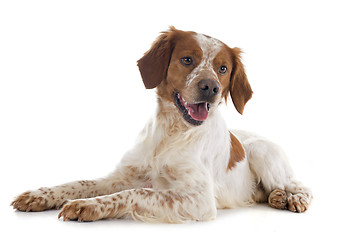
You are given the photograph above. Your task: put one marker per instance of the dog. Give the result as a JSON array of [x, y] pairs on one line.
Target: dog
[[186, 163]]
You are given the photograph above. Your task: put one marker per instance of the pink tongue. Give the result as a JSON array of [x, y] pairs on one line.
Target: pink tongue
[[198, 111]]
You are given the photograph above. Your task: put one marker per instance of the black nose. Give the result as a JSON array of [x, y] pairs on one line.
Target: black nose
[[209, 88]]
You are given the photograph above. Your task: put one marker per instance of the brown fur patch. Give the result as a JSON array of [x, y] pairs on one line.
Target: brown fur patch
[[183, 44], [237, 153], [171, 173], [240, 89]]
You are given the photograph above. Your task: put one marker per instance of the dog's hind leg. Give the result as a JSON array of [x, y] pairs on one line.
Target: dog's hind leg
[[274, 175]]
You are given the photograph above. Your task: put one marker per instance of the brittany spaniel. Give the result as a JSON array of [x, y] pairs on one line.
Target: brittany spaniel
[[186, 163]]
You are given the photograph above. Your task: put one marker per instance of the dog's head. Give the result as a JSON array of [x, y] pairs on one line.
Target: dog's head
[[195, 72]]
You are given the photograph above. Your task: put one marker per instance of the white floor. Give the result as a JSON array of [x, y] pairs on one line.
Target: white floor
[[255, 222]]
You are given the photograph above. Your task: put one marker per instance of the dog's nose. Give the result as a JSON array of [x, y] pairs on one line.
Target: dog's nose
[[209, 87]]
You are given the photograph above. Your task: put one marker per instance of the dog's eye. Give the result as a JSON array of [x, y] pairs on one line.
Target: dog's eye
[[222, 70], [186, 60]]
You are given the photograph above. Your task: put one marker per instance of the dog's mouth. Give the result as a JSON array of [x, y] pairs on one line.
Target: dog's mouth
[[194, 113]]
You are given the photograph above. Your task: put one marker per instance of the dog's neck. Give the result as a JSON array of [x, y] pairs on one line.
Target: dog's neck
[[168, 115]]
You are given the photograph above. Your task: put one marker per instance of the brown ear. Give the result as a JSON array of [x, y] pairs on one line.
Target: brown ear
[[154, 64], [240, 89]]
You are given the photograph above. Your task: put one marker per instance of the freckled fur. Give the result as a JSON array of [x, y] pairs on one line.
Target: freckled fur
[[178, 172], [210, 48]]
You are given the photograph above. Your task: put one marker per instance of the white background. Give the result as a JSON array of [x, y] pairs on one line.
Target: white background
[[72, 102]]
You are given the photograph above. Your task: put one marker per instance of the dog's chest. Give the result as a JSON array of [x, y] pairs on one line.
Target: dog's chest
[[174, 155]]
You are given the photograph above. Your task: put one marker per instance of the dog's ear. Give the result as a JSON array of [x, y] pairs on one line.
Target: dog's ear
[[240, 89], [154, 64]]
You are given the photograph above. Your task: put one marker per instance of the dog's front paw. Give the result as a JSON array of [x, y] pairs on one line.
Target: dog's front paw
[[81, 210], [34, 201]]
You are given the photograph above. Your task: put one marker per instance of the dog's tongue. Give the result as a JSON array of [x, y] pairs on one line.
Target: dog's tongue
[[198, 111]]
